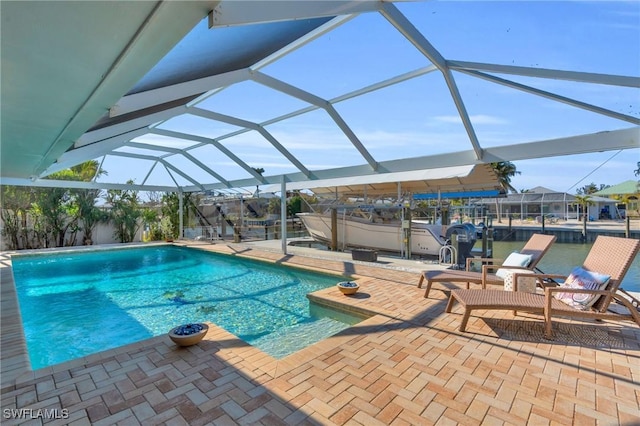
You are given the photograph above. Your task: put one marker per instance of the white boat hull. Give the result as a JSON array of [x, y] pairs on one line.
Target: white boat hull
[[352, 233]]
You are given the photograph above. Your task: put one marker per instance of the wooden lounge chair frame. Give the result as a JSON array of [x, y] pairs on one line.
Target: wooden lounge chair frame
[[537, 246], [609, 255]]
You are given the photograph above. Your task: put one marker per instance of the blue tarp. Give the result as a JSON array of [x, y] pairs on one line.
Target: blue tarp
[[464, 194]]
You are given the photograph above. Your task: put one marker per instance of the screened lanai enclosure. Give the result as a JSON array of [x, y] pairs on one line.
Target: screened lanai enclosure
[[554, 206], [234, 97]]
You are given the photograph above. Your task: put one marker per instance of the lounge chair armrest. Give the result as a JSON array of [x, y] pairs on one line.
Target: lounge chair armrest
[[548, 300], [485, 273], [488, 267], [548, 291], [551, 275], [486, 259], [540, 278]]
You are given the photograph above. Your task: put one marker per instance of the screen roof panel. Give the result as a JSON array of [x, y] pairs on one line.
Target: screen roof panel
[[117, 167], [390, 131], [349, 58], [316, 140], [203, 53], [164, 141], [198, 126], [252, 101], [340, 67]]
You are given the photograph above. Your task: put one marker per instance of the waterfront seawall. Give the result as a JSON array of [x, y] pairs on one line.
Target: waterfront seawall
[[569, 232]]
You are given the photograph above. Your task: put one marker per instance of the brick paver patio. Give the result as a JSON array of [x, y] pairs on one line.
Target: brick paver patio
[[405, 365]]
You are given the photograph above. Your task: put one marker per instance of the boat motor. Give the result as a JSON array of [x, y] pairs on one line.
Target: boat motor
[[465, 239]]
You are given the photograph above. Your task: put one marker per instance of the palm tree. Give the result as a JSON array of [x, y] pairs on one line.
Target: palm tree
[[588, 189], [85, 199], [584, 201], [505, 170]]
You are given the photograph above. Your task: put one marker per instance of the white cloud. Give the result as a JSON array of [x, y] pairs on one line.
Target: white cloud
[[475, 119]]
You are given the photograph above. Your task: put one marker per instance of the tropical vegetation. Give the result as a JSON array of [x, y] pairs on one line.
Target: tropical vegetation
[[42, 217], [591, 188], [505, 170], [51, 217]]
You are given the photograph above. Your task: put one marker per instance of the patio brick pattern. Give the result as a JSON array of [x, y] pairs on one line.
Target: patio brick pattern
[[405, 365]]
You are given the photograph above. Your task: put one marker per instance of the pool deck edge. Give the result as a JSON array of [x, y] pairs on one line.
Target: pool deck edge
[[15, 366], [408, 364], [14, 358]]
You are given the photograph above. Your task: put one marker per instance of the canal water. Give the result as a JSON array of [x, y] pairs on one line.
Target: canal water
[[562, 257]]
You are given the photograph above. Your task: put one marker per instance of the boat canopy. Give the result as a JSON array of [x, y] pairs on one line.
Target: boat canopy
[[443, 180], [459, 194]]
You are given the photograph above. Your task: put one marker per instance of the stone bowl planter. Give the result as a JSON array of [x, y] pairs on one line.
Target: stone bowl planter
[[348, 287], [188, 334]]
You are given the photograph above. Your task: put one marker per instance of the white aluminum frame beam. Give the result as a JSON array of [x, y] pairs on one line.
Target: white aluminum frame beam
[[411, 33], [150, 98], [170, 167], [204, 113], [207, 141], [305, 39], [385, 83], [613, 140], [138, 56], [234, 13], [305, 96], [144, 121], [94, 150], [117, 135], [151, 169], [595, 142], [52, 183], [578, 76], [184, 153], [581, 144], [103, 141], [553, 96]]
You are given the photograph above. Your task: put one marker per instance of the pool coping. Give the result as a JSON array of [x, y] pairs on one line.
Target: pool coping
[[15, 367], [411, 367]]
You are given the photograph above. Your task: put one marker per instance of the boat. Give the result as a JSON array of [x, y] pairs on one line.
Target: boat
[[368, 230]]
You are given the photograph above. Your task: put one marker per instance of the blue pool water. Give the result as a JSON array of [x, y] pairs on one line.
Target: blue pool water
[[123, 296]]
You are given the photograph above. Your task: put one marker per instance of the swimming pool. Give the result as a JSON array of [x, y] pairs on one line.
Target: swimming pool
[[127, 295]]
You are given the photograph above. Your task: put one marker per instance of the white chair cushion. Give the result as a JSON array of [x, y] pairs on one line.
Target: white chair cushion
[[514, 259]]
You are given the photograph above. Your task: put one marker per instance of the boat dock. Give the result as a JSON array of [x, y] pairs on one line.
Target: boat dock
[[566, 231]]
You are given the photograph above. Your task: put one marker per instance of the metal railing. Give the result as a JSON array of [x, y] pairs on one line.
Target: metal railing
[[252, 231]]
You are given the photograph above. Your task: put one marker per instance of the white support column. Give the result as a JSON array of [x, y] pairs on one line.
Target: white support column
[[241, 212], [283, 213], [181, 214]]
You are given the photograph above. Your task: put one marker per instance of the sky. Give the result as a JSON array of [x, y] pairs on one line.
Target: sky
[[418, 117]]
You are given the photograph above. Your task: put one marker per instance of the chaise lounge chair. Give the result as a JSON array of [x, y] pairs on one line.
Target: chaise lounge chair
[[536, 247], [610, 257]]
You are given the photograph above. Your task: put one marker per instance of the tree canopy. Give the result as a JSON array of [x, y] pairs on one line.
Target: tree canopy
[[505, 171]]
